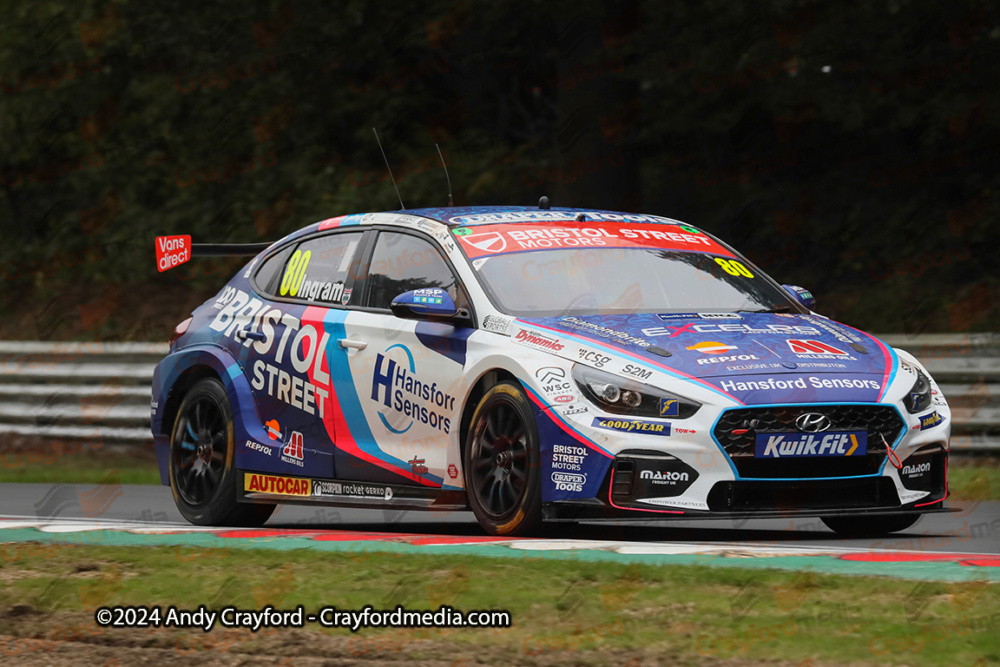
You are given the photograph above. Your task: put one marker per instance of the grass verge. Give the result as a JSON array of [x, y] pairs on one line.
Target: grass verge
[[563, 612], [973, 479], [45, 461]]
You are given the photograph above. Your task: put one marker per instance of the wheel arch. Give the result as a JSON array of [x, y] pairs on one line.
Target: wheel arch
[[177, 374], [483, 384], [179, 390]]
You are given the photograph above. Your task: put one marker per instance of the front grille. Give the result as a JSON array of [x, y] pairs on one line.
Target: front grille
[[881, 421]]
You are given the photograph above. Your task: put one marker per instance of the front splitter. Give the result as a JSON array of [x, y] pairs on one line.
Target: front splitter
[[593, 510]]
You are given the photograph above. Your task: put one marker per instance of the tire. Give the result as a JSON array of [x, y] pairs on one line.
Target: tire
[[869, 526], [202, 462], [502, 472]]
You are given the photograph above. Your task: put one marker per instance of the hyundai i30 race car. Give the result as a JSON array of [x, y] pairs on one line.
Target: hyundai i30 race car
[[538, 365]]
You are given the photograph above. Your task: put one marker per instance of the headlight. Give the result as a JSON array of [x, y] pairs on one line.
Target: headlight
[[625, 397], [919, 397]]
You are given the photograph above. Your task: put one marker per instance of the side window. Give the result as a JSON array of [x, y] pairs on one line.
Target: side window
[[402, 262], [318, 269], [269, 273]]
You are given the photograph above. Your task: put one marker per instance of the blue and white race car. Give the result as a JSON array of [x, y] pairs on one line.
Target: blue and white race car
[[538, 365]]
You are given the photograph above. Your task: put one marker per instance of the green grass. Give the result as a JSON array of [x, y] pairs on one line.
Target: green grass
[[81, 475], [55, 462], [968, 481], [564, 612]]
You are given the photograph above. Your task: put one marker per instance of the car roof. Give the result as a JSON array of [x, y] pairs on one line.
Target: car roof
[[480, 215], [488, 215]]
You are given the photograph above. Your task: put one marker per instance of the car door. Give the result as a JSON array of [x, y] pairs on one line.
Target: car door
[[407, 375], [286, 346]]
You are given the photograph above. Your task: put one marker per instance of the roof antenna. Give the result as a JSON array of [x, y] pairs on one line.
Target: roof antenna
[[389, 169], [450, 202]]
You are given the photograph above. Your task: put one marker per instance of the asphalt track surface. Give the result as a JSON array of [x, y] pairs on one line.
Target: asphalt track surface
[[975, 529]]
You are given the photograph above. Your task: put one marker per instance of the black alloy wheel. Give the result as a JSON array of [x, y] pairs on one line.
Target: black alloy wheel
[[200, 458], [502, 463], [202, 461]]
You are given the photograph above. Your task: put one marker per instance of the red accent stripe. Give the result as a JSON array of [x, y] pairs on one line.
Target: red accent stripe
[[335, 422], [331, 223], [888, 366]]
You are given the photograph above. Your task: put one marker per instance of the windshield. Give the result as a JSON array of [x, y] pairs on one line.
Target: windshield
[[594, 281]]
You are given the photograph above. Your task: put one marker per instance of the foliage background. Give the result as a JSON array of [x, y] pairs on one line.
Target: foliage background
[[847, 147]]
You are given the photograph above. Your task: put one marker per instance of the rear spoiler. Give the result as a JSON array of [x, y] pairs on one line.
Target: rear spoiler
[[228, 249], [173, 251]]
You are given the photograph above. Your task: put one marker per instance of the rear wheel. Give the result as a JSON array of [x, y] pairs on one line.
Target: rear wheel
[[202, 462], [502, 463], [869, 526]]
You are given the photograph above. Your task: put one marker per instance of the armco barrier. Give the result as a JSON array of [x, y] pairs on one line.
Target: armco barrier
[[79, 390], [967, 368]]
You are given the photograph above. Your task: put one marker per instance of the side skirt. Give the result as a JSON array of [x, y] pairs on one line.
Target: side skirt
[[257, 487]]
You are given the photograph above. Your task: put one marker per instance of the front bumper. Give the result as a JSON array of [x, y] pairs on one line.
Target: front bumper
[[904, 470], [644, 485]]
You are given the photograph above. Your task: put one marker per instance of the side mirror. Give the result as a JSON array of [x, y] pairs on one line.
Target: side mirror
[[429, 303], [802, 295]]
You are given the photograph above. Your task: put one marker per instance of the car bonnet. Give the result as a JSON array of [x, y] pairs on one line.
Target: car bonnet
[[755, 358]]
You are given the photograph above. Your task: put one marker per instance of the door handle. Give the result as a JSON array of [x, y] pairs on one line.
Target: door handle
[[255, 335], [354, 344]]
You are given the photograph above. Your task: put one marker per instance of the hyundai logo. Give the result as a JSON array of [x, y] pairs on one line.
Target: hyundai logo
[[812, 422]]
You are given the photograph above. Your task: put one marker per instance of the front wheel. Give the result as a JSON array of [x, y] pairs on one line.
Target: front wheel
[[869, 526], [502, 463], [202, 462]]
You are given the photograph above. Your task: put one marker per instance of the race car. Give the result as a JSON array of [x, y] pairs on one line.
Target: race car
[[532, 365]]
